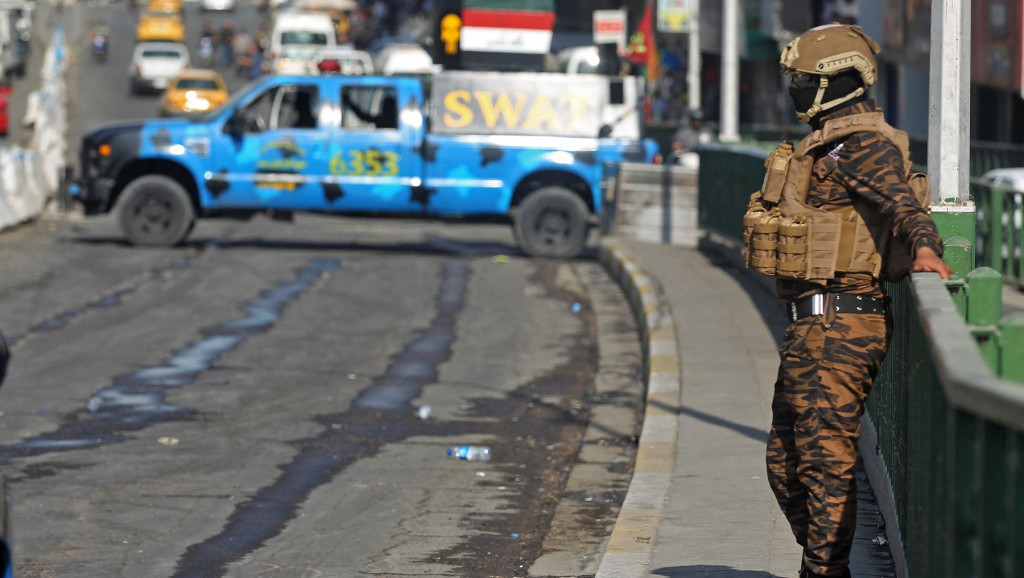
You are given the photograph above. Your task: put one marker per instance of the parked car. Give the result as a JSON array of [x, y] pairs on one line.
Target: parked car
[[195, 90], [167, 26], [1012, 180], [13, 48], [5, 94], [343, 61], [154, 64]]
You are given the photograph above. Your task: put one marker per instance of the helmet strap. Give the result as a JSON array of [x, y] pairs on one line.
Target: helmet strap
[[832, 103], [818, 106]]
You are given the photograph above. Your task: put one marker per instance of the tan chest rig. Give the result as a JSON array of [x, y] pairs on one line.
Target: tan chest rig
[[786, 238]]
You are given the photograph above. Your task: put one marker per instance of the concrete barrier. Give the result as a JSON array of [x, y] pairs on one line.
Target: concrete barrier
[[31, 176], [656, 203]]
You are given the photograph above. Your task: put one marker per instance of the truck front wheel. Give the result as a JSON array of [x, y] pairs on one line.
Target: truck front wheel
[[155, 211], [552, 223]]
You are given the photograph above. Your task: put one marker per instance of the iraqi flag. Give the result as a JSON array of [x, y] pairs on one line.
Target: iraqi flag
[[516, 26]]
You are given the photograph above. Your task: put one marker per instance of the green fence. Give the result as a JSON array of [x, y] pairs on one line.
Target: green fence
[[728, 176], [950, 433]]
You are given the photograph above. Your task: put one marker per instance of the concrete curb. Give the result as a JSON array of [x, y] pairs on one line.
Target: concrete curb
[[629, 549]]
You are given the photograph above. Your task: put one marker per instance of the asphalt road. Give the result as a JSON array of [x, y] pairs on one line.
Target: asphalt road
[[276, 399]]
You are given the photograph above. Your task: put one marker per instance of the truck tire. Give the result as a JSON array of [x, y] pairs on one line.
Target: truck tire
[[552, 222], [155, 211]]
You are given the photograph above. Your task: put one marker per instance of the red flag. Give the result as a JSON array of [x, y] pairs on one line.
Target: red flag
[[642, 49]]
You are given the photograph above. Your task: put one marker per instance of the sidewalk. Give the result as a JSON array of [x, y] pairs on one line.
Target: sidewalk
[[699, 503]]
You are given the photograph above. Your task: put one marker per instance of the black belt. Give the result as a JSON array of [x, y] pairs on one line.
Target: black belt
[[841, 302]]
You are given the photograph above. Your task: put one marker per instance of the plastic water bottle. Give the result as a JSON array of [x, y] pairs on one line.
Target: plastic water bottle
[[470, 453]]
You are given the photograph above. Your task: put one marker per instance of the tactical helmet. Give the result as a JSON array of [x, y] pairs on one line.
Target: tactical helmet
[[829, 50]]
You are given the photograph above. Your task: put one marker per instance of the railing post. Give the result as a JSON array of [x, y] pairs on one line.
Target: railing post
[[1016, 251], [994, 228], [1012, 348], [984, 309], [985, 296]]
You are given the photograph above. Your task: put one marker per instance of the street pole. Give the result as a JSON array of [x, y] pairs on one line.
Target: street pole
[[729, 117], [949, 108], [693, 58]]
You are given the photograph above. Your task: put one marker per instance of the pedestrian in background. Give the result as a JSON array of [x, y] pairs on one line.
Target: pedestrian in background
[[853, 168], [226, 38], [242, 51], [690, 134], [255, 62]]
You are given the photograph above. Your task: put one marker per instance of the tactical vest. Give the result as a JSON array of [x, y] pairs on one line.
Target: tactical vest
[[786, 238]]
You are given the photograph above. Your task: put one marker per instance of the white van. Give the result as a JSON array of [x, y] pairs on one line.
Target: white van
[[296, 38]]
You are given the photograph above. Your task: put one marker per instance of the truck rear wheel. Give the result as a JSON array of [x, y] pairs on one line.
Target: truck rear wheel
[[552, 222], [155, 211]]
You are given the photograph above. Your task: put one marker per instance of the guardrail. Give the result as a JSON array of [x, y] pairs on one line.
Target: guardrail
[[950, 433], [944, 436]]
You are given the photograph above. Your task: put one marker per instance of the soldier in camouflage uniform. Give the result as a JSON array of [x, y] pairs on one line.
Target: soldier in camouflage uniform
[[840, 328]]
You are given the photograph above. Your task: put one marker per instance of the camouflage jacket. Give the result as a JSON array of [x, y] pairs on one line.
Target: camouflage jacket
[[867, 166]]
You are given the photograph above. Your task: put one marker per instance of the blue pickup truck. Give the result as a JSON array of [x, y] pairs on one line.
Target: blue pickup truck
[[531, 149]]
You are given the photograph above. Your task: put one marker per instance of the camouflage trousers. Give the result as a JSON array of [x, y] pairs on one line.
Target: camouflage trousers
[[828, 363]]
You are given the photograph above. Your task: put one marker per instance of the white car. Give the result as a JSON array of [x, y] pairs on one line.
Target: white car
[[217, 5], [1011, 180], [154, 64]]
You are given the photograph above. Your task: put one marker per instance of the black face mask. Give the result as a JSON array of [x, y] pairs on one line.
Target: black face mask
[[802, 88]]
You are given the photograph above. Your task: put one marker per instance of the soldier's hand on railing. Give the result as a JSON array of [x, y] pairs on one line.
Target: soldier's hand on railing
[[927, 260]]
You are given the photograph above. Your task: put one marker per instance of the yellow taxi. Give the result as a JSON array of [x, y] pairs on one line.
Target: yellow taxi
[[194, 91], [171, 6], [166, 26]]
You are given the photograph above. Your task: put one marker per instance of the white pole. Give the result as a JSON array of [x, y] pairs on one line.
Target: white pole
[[729, 116], [693, 72], [949, 102]]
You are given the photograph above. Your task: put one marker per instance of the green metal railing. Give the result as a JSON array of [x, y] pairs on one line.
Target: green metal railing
[[1000, 213], [728, 176], [950, 433]]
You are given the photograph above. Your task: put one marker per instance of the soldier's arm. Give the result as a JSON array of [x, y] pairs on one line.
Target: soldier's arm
[[872, 168]]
